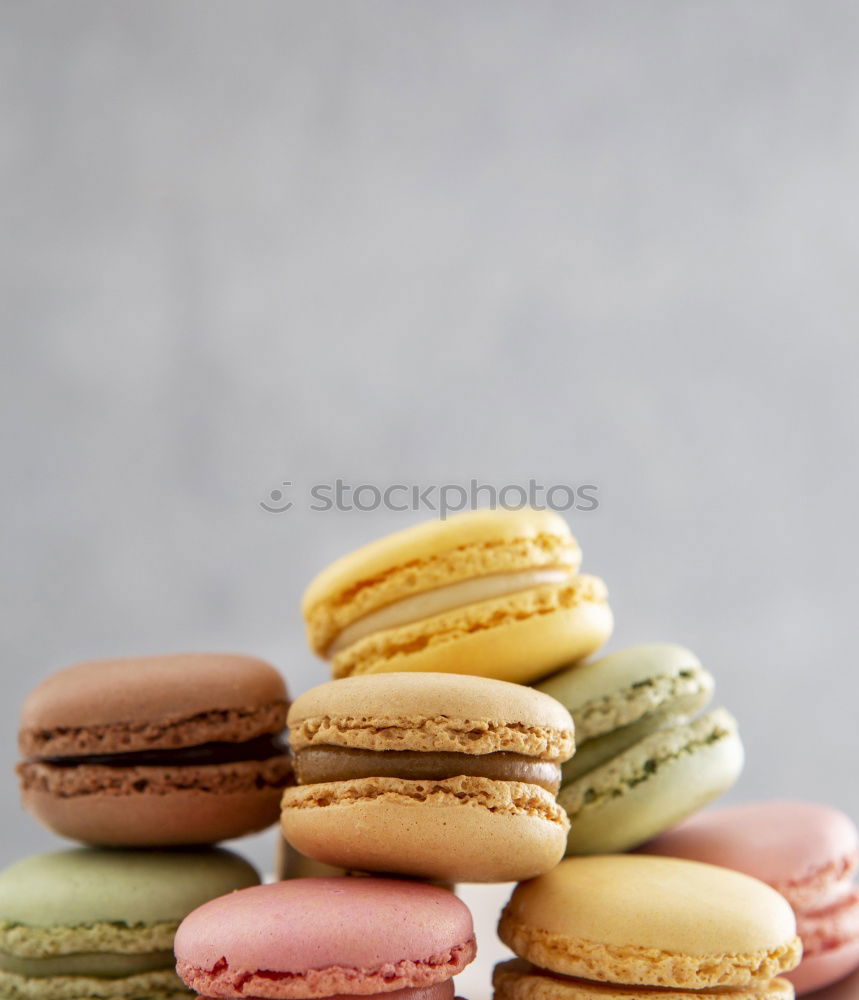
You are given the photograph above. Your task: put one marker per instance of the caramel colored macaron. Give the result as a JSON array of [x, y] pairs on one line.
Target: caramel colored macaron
[[156, 751], [432, 775], [495, 593], [623, 927]]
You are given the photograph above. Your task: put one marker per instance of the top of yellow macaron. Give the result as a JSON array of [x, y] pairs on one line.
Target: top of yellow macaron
[[621, 919], [431, 555]]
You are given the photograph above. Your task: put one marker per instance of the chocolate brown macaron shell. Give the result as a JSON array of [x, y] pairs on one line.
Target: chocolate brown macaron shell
[[156, 751], [186, 699]]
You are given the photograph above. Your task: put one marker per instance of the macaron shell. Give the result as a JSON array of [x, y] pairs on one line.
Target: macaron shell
[[518, 980], [151, 688], [162, 985], [439, 991], [825, 968], [662, 922], [84, 886], [623, 687], [519, 638], [837, 924], [174, 818], [831, 944], [458, 829], [427, 542], [325, 937], [343, 712], [630, 800], [808, 852]]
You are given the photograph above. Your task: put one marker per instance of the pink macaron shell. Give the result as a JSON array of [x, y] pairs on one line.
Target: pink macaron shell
[[440, 991], [838, 924], [324, 937], [830, 941], [824, 968], [808, 852]]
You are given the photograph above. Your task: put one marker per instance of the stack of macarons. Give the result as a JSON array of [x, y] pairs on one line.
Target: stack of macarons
[[156, 751], [468, 735], [154, 758], [97, 924], [497, 594], [426, 756]]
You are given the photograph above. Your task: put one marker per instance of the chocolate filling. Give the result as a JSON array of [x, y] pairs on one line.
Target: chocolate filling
[[261, 748], [314, 765]]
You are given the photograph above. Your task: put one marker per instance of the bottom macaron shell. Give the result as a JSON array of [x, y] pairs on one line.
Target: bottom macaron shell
[[656, 801], [439, 991], [519, 980], [458, 829], [830, 939], [824, 968], [152, 820], [162, 985], [520, 638]]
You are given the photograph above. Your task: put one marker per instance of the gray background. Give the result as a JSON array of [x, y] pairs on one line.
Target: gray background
[[585, 242]]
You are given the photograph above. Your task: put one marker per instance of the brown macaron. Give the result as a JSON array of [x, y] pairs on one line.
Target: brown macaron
[[156, 751], [434, 775]]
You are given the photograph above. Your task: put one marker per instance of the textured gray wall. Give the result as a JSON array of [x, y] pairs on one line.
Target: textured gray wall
[[593, 242]]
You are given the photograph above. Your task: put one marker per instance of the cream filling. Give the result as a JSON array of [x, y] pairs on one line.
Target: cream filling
[[102, 965], [442, 599]]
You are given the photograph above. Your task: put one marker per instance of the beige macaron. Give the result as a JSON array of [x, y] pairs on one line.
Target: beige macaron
[[432, 775], [495, 593]]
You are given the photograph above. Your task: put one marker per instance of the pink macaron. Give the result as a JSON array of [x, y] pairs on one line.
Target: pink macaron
[[327, 937], [808, 852]]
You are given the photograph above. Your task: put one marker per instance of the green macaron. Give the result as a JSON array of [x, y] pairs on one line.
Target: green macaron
[[90, 924], [642, 762]]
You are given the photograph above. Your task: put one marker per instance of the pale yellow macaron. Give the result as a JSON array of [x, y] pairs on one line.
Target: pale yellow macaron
[[437, 776], [495, 593], [619, 926]]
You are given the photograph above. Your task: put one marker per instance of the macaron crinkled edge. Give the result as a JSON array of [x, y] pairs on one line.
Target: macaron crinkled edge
[[101, 923], [320, 935], [622, 688], [631, 919], [156, 751], [652, 785]]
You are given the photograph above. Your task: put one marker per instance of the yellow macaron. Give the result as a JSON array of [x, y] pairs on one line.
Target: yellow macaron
[[495, 593], [620, 926]]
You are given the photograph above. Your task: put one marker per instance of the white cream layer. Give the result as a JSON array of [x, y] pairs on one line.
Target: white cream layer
[[442, 599]]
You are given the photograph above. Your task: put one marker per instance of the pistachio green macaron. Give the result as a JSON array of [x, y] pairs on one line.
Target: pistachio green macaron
[[643, 761], [90, 924]]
